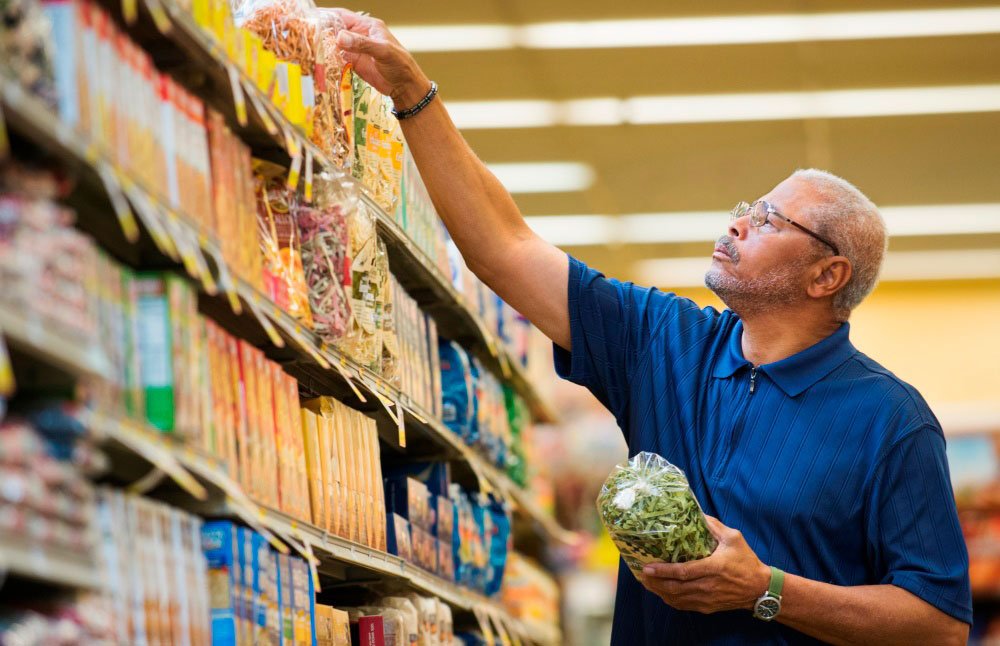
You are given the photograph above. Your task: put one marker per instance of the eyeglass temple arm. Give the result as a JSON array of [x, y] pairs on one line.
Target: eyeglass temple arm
[[836, 251]]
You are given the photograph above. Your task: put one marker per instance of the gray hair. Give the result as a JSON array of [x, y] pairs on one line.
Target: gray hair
[[843, 214]]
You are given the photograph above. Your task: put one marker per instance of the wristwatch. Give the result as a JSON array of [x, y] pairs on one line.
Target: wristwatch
[[768, 605]]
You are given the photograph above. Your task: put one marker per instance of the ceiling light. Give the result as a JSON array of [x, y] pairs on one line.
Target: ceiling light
[[503, 114], [706, 226], [544, 177], [751, 29], [455, 38], [715, 30], [900, 266], [717, 108], [573, 230]]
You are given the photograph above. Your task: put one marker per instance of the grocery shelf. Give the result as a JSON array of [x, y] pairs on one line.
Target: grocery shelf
[[28, 333], [215, 494], [22, 557], [271, 135]]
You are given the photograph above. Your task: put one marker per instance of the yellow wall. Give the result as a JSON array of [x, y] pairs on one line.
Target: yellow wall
[[942, 337]]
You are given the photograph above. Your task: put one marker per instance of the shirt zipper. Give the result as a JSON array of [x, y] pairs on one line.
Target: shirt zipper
[[753, 379]]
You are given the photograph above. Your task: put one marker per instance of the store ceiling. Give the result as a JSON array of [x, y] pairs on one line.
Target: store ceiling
[[919, 148]]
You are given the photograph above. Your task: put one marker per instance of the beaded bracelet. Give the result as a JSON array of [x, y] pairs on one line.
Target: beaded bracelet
[[409, 112]]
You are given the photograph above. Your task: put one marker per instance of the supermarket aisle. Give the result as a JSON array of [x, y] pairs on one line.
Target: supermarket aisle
[[251, 394]]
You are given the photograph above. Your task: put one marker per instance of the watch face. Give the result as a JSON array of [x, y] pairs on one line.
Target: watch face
[[767, 608]]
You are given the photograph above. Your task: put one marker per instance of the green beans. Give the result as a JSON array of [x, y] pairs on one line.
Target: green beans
[[652, 515]]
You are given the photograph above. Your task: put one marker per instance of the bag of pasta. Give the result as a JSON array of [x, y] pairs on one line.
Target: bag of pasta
[[363, 341], [326, 254], [296, 32], [378, 145], [284, 278], [652, 515]]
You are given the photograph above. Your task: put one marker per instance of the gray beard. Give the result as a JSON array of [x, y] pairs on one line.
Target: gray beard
[[764, 294]]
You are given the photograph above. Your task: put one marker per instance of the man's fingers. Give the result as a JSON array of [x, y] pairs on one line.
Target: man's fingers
[[679, 571], [352, 20], [715, 526], [351, 42]]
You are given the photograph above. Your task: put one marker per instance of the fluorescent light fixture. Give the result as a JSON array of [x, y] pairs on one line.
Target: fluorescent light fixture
[[828, 104], [706, 226], [456, 38], [718, 108], [572, 230], [714, 30], [899, 266], [544, 177], [503, 114], [767, 28]]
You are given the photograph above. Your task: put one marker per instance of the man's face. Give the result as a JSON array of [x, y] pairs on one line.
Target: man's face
[[759, 269]]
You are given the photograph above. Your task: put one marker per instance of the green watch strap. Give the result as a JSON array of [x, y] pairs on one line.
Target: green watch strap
[[777, 582]]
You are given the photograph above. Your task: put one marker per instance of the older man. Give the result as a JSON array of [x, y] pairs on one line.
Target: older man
[[830, 470]]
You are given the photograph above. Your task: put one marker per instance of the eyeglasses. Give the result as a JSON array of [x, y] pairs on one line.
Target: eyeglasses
[[760, 210]]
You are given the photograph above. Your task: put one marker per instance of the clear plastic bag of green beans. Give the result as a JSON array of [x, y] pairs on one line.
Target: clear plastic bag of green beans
[[652, 515]]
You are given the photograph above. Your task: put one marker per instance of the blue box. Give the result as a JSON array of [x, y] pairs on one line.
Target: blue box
[[219, 542]]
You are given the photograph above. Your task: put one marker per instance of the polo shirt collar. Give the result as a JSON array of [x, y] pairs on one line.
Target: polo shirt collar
[[794, 374]]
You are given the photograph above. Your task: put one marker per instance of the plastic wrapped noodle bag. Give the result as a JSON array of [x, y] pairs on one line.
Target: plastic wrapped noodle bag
[[652, 515], [363, 341], [326, 255], [284, 277], [297, 32]]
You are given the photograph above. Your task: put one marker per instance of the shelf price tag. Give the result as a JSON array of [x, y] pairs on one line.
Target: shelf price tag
[[4, 141], [309, 175], [239, 98], [126, 219], [260, 108], [6, 370], [484, 625], [341, 367], [400, 423], [130, 11], [294, 172], [153, 221], [160, 17]]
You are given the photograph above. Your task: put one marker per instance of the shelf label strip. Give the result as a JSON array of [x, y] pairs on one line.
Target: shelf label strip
[[239, 98], [126, 219], [160, 17], [7, 384], [262, 111], [4, 140], [341, 366]]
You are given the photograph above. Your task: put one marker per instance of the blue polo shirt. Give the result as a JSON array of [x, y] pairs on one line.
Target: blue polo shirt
[[832, 467]]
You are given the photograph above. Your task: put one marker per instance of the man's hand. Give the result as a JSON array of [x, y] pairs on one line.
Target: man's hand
[[379, 59], [731, 578]]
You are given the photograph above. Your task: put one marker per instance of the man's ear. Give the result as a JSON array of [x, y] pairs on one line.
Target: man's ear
[[831, 276]]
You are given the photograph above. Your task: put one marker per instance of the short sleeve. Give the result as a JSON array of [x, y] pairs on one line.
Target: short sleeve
[[914, 525], [611, 325]]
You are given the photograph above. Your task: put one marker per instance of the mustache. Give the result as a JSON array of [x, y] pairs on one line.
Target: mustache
[[730, 246]]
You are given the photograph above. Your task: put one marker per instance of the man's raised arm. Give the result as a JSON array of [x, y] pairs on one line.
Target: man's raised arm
[[527, 272]]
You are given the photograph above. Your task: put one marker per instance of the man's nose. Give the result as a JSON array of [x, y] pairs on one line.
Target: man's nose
[[738, 228]]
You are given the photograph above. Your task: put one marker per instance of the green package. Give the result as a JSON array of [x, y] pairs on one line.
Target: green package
[[652, 515]]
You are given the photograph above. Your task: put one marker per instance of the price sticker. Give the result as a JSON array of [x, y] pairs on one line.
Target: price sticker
[[130, 11], [239, 98], [160, 17], [309, 175], [126, 219], [7, 384], [4, 140], [400, 424], [294, 172]]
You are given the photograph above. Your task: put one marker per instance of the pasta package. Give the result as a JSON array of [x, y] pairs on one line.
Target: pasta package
[[652, 515], [304, 39], [378, 145], [326, 258], [363, 341], [284, 277]]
